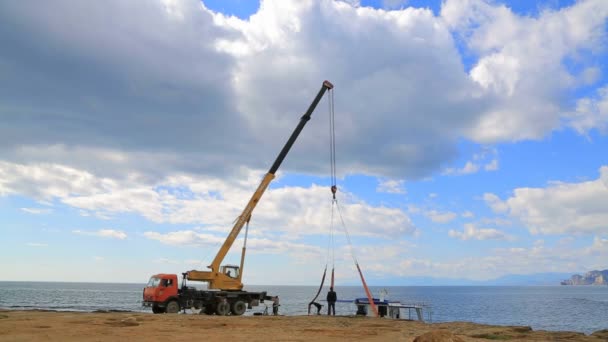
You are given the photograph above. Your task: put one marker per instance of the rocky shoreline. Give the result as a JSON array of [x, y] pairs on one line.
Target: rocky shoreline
[[590, 278]]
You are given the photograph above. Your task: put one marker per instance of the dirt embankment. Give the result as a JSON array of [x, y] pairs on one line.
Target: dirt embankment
[[124, 326]]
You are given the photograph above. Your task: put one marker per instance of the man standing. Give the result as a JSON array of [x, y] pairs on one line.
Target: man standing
[[331, 301], [275, 305]]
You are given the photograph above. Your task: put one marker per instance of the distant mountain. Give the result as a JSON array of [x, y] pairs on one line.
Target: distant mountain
[[535, 279], [590, 278]]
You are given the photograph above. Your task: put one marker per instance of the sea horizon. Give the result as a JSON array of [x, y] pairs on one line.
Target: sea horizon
[[554, 307]]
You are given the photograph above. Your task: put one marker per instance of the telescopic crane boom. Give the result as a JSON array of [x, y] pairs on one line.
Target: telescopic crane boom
[[221, 277]]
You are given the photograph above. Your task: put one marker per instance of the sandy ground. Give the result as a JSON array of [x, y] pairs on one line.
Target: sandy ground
[[77, 326]]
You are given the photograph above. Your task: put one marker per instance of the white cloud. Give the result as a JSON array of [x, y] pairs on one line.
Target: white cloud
[[46, 181], [183, 199], [104, 233], [141, 200], [391, 186], [491, 166], [495, 203], [590, 112], [254, 245], [467, 169], [37, 211], [497, 221], [144, 126], [487, 157], [272, 66], [522, 61], [440, 217], [599, 247], [185, 237], [471, 232], [560, 208], [278, 37], [467, 214], [82, 189], [524, 258]]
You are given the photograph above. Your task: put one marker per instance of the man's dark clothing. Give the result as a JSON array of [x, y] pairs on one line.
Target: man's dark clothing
[[331, 302], [275, 305], [317, 305]]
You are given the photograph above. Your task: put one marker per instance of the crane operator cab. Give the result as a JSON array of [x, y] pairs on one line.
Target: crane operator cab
[[231, 270]]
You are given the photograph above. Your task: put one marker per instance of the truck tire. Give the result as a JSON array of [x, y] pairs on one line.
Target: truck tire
[[209, 309], [238, 308], [157, 310], [222, 308], [172, 307]]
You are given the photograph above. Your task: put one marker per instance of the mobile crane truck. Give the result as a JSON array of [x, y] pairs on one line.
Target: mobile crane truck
[[224, 294]]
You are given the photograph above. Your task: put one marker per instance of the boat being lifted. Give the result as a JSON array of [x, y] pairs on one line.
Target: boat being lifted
[[393, 309]]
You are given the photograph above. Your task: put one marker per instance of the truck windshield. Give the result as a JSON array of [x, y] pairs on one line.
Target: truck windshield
[[154, 282]]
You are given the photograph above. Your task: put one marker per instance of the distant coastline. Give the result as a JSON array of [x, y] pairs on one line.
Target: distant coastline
[[590, 278]]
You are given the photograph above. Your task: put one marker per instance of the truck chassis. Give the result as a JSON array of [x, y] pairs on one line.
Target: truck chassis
[[207, 301]]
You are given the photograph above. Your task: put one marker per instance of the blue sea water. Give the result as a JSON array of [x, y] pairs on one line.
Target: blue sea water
[[570, 308]]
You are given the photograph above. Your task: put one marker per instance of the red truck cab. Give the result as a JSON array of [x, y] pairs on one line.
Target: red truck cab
[[161, 293]]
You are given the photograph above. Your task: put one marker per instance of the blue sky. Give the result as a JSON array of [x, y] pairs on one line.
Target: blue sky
[[471, 138]]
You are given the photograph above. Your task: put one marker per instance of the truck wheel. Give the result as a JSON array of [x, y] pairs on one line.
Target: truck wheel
[[238, 308], [209, 309], [222, 309], [172, 307], [157, 310]]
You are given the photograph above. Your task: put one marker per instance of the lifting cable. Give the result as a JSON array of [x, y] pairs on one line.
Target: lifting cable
[[334, 204], [335, 207], [352, 253], [334, 189]]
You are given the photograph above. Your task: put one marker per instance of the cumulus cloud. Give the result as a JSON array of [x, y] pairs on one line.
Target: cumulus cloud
[[467, 214], [119, 118], [471, 232], [591, 112], [119, 97], [185, 237], [47, 181], [467, 169], [486, 159], [440, 217], [37, 211], [391, 186], [122, 87], [599, 246], [523, 258], [367, 144], [491, 166], [522, 61], [214, 202], [235, 91], [495, 203], [560, 208], [255, 245], [104, 233]]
